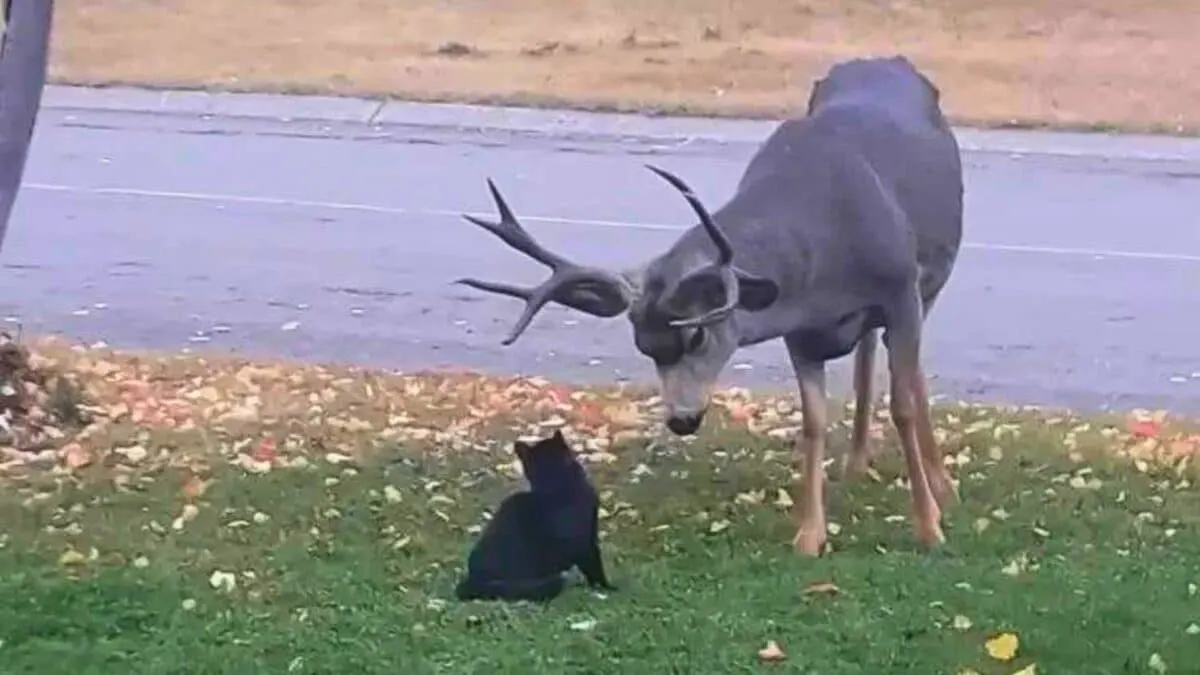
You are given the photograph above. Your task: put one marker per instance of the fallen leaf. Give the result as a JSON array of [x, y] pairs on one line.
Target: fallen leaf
[[1145, 428], [75, 456], [751, 497], [1030, 669], [961, 623], [223, 581], [72, 558], [584, 625], [821, 588], [718, 526], [189, 512], [194, 487], [1157, 664], [1003, 647], [265, 451], [771, 653], [134, 453]]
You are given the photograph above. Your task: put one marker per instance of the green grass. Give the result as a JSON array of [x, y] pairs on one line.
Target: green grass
[[346, 580]]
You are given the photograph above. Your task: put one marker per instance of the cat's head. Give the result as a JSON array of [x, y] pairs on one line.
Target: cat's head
[[548, 462]]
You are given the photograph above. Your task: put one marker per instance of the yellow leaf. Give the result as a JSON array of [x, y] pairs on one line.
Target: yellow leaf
[[72, 557], [1003, 647], [1030, 669], [968, 671]]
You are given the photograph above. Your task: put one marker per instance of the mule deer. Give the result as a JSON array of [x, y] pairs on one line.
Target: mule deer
[[845, 222]]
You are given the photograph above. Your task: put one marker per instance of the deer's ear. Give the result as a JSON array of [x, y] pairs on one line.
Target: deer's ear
[[755, 293], [696, 293]]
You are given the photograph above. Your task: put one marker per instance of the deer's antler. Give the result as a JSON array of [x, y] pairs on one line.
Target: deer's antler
[[588, 289], [722, 267]]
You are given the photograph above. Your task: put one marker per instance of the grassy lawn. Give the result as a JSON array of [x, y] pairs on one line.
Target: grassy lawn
[[1088, 63], [279, 518]]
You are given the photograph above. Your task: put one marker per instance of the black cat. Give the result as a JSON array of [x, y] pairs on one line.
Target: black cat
[[537, 535]]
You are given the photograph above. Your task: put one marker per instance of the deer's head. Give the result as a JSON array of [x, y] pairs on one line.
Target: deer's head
[[681, 304]]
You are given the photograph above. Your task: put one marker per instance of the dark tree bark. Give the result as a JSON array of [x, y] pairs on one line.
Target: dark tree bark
[[24, 53]]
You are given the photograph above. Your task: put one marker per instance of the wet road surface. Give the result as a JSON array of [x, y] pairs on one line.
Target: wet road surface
[[338, 242]]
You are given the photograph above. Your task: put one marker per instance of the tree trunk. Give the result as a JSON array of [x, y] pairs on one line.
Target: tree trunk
[[24, 52]]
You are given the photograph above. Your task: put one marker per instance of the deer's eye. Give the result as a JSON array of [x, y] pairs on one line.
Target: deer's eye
[[696, 340]]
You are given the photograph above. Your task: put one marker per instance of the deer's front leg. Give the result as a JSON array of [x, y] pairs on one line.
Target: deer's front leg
[[859, 459], [903, 341], [809, 458]]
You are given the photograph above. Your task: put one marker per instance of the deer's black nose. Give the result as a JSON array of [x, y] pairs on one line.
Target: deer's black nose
[[683, 425]]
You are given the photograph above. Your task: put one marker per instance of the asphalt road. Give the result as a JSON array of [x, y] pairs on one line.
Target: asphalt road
[[338, 242]]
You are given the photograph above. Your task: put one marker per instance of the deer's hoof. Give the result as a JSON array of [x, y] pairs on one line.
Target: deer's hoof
[[929, 534], [856, 465], [809, 541]]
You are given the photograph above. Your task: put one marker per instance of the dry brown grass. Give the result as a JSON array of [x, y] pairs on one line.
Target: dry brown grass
[[1095, 63]]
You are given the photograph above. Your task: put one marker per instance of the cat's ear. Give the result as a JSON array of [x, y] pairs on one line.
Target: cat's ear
[[557, 437]]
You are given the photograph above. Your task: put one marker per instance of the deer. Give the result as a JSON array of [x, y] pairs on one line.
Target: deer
[[844, 226]]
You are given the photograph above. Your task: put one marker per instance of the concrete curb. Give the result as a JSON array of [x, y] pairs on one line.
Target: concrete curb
[[385, 112]]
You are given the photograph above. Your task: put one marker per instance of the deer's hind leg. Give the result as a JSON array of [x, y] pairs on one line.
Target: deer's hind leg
[[861, 454], [935, 464], [910, 411]]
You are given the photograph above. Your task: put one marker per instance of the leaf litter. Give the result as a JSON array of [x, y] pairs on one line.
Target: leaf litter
[[70, 409]]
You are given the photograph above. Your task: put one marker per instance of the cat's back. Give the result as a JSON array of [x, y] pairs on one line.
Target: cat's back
[[515, 517]]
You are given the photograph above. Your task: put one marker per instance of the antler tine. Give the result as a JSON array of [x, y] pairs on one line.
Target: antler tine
[[511, 232], [724, 249], [537, 297], [496, 287], [586, 289]]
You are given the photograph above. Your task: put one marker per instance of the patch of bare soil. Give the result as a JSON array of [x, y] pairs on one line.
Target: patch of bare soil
[[1091, 63]]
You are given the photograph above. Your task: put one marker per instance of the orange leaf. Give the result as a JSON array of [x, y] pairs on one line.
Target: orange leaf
[[265, 452], [75, 456], [590, 414], [1145, 428], [194, 486]]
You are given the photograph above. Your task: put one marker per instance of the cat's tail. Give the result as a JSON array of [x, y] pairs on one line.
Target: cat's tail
[[534, 590]]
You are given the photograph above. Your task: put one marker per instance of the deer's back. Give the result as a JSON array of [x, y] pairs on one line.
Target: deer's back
[[885, 110]]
